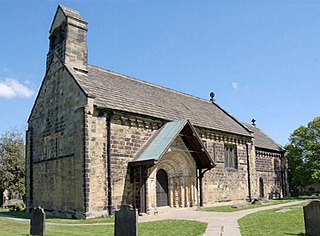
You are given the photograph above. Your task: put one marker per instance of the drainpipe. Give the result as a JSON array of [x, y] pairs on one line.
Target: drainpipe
[[109, 119], [248, 169], [282, 175], [200, 187]]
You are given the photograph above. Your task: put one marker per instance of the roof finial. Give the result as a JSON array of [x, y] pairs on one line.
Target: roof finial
[[212, 95], [253, 122]]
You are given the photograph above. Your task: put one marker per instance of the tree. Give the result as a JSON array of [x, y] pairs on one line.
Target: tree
[[12, 163], [303, 154]]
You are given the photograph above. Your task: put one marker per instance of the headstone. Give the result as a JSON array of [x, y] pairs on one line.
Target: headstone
[[312, 218], [126, 221], [256, 201], [37, 224]]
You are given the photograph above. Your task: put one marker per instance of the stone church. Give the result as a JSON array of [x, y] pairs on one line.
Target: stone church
[[97, 139]]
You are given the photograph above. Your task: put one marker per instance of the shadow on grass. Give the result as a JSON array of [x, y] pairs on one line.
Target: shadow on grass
[[301, 234], [16, 214]]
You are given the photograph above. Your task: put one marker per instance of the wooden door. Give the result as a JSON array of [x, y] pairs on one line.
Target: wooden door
[[261, 188], [162, 188]]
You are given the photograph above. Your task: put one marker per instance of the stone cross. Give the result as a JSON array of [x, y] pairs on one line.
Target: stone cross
[[312, 218], [126, 221], [37, 224]]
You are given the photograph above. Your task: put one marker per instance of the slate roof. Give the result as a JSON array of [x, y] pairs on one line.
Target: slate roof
[[261, 140], [119, 92]]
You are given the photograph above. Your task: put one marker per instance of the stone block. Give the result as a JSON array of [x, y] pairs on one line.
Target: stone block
[[312, 218], [37, 224], [126, 221]]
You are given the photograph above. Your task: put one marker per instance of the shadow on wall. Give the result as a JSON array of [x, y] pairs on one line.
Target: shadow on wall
[[134, 191]]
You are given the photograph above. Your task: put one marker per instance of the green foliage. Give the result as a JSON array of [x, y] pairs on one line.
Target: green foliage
[[12, 163], [303, 154]]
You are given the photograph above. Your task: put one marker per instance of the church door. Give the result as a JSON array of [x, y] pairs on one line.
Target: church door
[[261, 188], [162, 188]]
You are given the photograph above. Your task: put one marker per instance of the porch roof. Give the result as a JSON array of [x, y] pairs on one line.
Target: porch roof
[[161, 140]]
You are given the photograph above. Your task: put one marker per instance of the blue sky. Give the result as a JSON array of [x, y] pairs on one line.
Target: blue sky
[[262, 60]]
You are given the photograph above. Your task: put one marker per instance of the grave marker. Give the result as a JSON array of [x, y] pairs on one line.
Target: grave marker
[[312, 218], [37, 224], [126, 221]]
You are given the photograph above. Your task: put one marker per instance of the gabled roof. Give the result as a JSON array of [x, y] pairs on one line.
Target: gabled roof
[[115, 91], [263, 141], [67, 13], [161, 140]]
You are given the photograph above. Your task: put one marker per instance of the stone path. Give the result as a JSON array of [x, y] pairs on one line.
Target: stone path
[[219, 223]]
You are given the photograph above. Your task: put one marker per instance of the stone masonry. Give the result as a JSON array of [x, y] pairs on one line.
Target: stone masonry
[[85, 137]]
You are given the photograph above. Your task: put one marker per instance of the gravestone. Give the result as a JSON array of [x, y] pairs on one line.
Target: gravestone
[[37, 224], [126, 221], [312, 218]]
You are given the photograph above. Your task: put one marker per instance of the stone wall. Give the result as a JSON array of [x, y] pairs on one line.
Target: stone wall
[[268, 170], [225, 184], [126, 142], [55, 145], [128, 135]]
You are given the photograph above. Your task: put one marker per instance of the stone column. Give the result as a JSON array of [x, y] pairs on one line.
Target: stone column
[[194, 194], [176, 191], [182, 199], [187, 190], [171, 192]]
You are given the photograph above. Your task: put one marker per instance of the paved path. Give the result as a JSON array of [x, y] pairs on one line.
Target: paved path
[[219, 223]]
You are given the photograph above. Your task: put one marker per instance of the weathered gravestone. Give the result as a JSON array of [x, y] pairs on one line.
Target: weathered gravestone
[[37, 224], [312, 218], [126, 221]]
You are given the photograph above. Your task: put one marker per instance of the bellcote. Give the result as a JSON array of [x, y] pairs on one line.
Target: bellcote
[[68, 39]]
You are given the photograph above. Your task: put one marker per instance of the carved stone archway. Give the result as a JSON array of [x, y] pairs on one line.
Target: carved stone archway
[[181, 170]]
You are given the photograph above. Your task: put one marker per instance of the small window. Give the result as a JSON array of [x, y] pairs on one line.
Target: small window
[[230, 156]]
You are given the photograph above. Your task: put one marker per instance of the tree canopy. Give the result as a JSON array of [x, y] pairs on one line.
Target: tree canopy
[[303, 154], [12, 162]]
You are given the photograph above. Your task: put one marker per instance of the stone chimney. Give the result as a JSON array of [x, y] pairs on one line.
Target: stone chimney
[[68, 39]]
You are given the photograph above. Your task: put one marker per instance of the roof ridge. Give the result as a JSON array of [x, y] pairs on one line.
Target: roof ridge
[[151, 84], [67, 10], [261, 131]]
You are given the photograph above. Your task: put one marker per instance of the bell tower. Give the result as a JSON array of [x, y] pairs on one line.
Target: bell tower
[[68, 39]]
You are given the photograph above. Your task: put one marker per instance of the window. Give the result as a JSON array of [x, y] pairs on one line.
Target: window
[[230, 156]]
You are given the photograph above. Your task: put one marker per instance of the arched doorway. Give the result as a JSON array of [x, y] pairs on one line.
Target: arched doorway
[[261, 188], [162, 188]]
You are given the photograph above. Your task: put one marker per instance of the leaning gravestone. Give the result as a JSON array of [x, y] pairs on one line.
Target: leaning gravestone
[[312, 218], [126, 221], [38, 218]]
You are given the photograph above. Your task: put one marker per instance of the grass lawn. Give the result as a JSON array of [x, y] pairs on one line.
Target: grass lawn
[[11, 227], [230, 208], [274, 223]]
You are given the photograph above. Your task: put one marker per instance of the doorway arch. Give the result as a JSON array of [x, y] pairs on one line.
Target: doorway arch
[[261, 188], [162, 188]]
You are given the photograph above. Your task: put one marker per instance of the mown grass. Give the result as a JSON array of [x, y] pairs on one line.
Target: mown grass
[[232, 208], [11, 227], [274, 223]]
